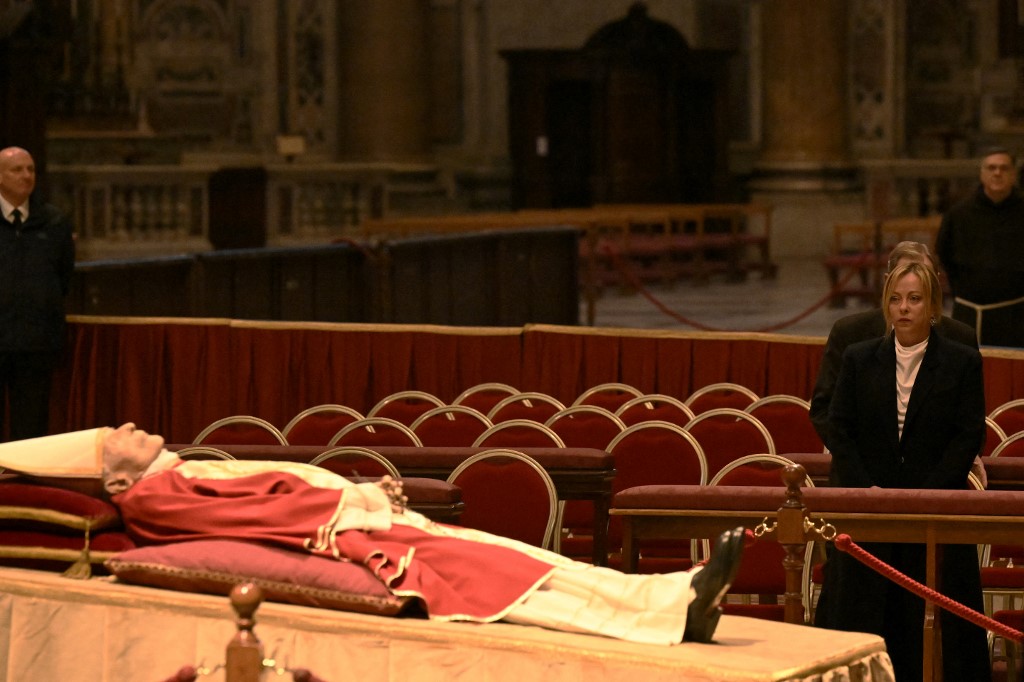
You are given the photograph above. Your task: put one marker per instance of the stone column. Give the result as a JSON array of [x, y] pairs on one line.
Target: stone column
[[383, 80], [805, 86], [804, 169]]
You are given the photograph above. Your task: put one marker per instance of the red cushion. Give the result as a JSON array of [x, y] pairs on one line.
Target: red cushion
[[216, 566], [58, 552], [992, 576], [21, 501], [113, 541], [1013, 619]]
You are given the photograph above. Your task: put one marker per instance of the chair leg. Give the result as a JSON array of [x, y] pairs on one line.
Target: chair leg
[[1012, 651]]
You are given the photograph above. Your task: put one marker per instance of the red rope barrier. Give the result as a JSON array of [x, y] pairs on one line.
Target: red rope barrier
[[635, 282], [844, 543]]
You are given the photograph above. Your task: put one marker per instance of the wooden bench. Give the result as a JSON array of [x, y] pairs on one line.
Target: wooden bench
[[861, 250], [663, 242]]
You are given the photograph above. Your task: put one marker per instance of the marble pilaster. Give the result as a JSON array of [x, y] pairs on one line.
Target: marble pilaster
[[383, 81]]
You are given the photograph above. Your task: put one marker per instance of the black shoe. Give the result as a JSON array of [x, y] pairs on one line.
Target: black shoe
[[711, 583]]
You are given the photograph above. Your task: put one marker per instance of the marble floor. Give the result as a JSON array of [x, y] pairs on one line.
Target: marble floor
[[777, 305]]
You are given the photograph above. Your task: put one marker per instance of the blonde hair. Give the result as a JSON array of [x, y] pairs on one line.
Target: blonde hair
[[930, 287], [913, 251]]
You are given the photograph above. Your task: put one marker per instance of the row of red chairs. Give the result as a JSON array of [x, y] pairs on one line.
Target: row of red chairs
[[514, 420]]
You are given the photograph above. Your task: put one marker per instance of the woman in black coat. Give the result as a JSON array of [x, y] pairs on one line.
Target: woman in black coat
[[908, 412]]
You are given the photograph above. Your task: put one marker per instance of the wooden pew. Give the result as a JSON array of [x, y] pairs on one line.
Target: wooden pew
[[661, 242], [862, 249]]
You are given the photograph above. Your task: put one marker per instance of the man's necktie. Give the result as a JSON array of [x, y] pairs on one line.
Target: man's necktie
[[16, 219]]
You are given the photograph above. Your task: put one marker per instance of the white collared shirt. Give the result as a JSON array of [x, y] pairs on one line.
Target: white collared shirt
[[8, 208], [908, 362]]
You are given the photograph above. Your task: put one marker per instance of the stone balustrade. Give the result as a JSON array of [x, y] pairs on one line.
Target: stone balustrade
[[896, 188], [155, 210]]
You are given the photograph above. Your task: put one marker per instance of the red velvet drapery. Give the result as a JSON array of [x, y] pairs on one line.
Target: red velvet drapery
[[174, 376]]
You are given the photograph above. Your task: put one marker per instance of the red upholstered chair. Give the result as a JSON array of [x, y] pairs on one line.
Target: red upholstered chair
[[586, 426], [610, 396], [315, 425], [762, 578], [1002, 575], [375, 431], [994, 435], [352, 461], [1011, 446], [538, 407], [508, 493], [1009, 416], [722, 394], [240, 430], [655, 407], [203, 452], [405, 406], [649, 453], [583, 426], [726, 434], [485, 396], [788, 420], [450, 425], [518, 433]]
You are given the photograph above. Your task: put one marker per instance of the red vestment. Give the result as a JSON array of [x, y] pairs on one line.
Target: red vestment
[[456, 579]]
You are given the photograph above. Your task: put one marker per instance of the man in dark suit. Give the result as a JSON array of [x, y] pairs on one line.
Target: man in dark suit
[[871, 324], [37, 258]]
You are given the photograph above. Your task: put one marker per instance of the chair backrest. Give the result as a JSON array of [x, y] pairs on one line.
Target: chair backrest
[[528, 405], [405, 406], [994, 435], [1012, 446], [762, 571], [610, 396], [726, 434], [352, 461], [1009, 416], [586, 426], [655, 407], [763, 470], [485, 396], [375, 431], [203, 452], [507, 493], [788, 420], [651, 453], [657, 452], [518, 433], [315, 425], [451, 426], [240, 430], [722, 394]]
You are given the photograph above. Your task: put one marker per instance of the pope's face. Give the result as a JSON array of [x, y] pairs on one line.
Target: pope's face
[[127, 453]]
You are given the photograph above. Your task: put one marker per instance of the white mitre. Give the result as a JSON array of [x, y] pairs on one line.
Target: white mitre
[[78, 454]]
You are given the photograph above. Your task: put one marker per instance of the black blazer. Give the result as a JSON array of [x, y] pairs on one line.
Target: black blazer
[[944, 427], [848, 330]]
